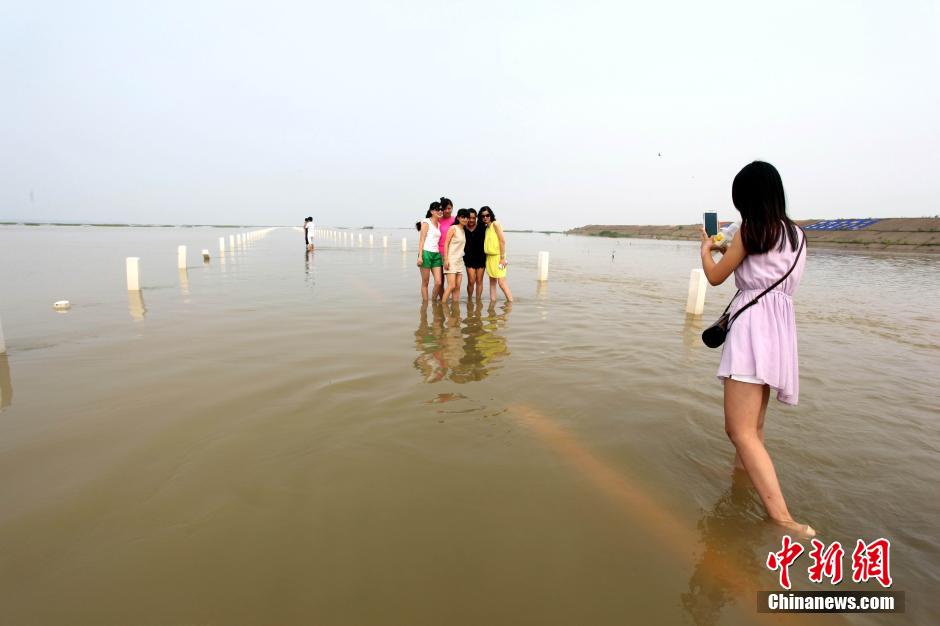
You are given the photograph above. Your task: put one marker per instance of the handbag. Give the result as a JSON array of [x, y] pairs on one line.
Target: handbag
[[714, 335]]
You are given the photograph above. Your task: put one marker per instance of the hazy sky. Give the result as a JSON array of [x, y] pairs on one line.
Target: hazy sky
[[553, 113]]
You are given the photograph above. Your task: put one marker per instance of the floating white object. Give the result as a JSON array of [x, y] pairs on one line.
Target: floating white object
[[404, 244], [543, 266], [181, 257], [385, 241], [62, 305], [3, 343], [133, 273], [222, 244], [697, 284], [360, 239], [371, 243], [205, 255], [231, 241]]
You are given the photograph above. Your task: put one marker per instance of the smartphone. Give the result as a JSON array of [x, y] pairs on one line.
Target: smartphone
[[711, 223]]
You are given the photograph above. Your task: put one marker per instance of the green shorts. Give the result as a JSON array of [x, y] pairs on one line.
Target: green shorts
[[431, 259]]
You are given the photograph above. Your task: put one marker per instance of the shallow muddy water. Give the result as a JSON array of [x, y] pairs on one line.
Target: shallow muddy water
[[278, 437]]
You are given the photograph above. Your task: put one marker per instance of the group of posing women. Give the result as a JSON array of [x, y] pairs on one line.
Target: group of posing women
[[449, 245]]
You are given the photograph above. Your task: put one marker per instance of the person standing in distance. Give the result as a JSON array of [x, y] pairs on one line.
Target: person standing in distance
[[308, 233]]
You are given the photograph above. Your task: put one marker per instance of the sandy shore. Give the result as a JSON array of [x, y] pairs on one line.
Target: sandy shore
[[920, 234]]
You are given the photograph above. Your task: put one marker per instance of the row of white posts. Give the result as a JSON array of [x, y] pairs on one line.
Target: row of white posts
[[695, 303], [347, 237], [236, 241]]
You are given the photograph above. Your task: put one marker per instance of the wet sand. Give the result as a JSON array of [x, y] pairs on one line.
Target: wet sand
[[291, 438]]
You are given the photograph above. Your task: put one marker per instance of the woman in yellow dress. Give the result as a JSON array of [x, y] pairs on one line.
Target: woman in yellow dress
[[494, 245]]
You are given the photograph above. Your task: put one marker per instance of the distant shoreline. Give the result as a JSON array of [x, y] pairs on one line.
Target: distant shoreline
[[102, 225], [913, 234]]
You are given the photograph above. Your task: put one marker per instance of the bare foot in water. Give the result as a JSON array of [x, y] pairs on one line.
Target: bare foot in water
[[803, 531]]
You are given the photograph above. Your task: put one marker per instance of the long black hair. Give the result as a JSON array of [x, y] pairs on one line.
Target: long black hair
[[434, 206], [757, 193], [490, 211], [446, 201]]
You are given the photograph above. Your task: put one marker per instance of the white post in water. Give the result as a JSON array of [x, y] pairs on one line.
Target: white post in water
[[231, 242], [360, 240], [133, 273], [385, 241], [205, 256], [404, 244], [181, 257], [697, 284], [543, 266], [222, 245], [3, 343], [371, 242]]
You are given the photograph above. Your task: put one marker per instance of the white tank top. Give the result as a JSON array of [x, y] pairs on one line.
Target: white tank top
[[433, 238]]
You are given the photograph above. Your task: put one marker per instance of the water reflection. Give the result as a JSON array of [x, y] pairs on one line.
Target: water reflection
[[460, 349], [692, 335], [308, 261], [728, 569], [135, 304], [184, 282], [6, 384]]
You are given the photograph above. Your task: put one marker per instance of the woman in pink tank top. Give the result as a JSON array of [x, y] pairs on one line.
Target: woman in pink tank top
[[759, 352]]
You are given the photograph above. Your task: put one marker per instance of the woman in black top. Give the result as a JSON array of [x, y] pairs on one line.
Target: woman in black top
[[474, 257]]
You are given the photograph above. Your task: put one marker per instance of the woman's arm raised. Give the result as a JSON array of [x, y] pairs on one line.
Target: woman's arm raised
[[717, 273]]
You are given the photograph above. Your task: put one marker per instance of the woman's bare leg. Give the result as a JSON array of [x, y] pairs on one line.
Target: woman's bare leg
[[505, 287], [471, 282], [479, 282], [458, 278], [742, 418], [760, 426], [425, 279], [492, 289], [450, 278], [438, 281]]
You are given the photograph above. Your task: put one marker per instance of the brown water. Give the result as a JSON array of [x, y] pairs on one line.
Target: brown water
[[283, 438]]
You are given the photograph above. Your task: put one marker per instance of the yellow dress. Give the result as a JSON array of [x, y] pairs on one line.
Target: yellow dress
[[491, 248]]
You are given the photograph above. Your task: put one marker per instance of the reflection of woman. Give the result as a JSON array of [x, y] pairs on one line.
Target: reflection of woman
[[732, 532], [452, 337], [494, 245], [430, 361], [461, 352], [429, 258]]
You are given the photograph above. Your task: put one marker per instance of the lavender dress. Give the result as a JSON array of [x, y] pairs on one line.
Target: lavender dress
[[762, 341]]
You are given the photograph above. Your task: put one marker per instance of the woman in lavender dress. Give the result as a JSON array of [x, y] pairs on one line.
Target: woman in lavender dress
[[760, 352]]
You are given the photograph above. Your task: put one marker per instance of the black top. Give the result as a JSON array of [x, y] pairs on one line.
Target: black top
[[473, 255]]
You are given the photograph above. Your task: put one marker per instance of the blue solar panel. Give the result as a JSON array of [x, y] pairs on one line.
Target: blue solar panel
[[844, 224]]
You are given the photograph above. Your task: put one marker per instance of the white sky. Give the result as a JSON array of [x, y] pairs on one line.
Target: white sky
[[553, 113]]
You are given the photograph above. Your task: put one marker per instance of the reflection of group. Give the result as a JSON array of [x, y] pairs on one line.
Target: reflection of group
[[449, 245], [460, 349]]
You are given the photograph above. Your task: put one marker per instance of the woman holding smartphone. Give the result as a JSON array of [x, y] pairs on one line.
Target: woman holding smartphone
[[760, 350], [494, 245]]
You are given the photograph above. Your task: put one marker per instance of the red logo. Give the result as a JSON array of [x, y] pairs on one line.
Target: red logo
[[872, 561], [783, 559]]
